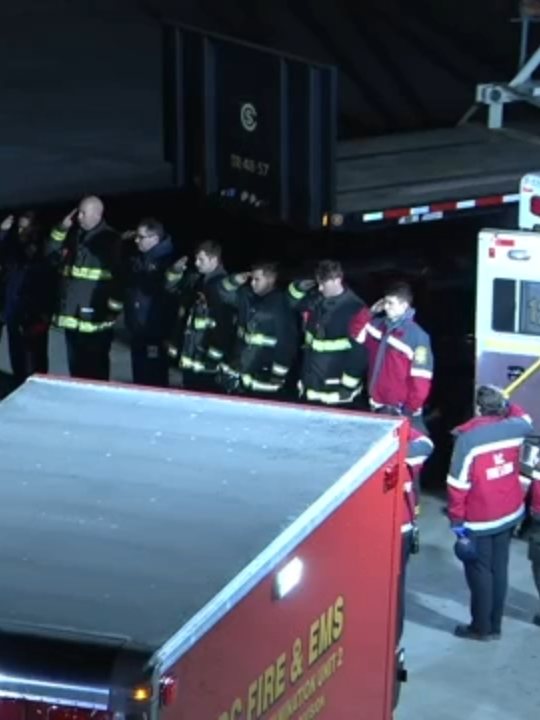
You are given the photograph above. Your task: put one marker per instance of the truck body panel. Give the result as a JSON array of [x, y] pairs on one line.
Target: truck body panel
[[508, 312], [138, 520], [322, 651]]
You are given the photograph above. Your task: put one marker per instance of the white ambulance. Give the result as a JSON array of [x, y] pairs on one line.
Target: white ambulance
[[508, 301]]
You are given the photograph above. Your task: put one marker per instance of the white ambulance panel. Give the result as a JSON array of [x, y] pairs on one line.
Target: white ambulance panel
[[508, 312], [529, 201]]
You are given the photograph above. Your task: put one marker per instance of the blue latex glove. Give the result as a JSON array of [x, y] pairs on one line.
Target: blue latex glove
[[460, 531]]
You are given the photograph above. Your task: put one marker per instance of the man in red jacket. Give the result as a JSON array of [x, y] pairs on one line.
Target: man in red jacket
[[485, 501], [400, 360], [419, 449]]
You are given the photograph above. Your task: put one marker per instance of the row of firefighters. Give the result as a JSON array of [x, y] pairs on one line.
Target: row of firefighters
[[315, 341]]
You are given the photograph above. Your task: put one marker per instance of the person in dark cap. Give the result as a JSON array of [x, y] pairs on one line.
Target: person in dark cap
[[485, 502]]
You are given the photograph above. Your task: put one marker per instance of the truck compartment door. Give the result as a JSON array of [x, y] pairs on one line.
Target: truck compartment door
[[255, 128]]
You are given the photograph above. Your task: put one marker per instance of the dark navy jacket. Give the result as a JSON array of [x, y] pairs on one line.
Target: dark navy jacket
[[29, 284], [148, 307]]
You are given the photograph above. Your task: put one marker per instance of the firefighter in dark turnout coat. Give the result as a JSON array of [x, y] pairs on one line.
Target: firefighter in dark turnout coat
[[266, 333], [204, 328], [148, 307], [87, 252], [332, 365]]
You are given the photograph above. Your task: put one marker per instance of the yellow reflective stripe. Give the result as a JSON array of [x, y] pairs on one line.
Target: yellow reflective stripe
[[172, 351], [229, 285], [86, 273], [203, 323], [295, 293], [114, 305], [172, 276], [279, 370], [214, 353], [324, 397], [188, 363], [259, 340], [58, 235], [337, 345], [349, 381], [248, 381], [71, 323]]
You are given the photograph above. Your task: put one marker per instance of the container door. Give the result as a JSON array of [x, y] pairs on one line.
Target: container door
[[251, 127], [508, 312]]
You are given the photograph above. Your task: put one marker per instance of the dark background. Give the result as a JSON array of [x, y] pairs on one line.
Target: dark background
[[81, 111]]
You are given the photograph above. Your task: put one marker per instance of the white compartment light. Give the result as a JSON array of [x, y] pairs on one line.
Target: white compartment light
[[288, 578]]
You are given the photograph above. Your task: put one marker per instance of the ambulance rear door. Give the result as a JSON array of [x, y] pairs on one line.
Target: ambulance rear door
[[529, 201], [508, 312]]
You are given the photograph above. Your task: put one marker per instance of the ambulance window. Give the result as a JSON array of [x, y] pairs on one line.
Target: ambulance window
[[503, 312], [529, 310]]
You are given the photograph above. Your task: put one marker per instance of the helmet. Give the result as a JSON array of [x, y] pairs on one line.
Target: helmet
[[465, 548]]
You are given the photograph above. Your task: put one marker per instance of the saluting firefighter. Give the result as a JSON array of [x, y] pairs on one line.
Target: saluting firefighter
[[88, 253], [204, 327], [332, 366], [267, 336], [400, 359], [419, 449], [485, 503]]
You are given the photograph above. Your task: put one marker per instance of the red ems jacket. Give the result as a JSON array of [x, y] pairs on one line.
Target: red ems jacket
[[419, 449], [400, 360], [484, 488]]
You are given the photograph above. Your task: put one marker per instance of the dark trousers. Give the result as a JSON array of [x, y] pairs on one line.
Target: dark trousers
[[487, 579], [200, 382], [406, 539], [89, 354], [28, 353], [149, 364]]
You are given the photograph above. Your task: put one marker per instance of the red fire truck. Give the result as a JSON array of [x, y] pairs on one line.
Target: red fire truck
[[183, 557]]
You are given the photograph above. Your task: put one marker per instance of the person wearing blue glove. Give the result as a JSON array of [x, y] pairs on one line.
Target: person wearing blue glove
[[485, 502]]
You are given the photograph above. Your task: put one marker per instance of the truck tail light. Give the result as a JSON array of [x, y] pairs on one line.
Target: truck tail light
[[535, 205]]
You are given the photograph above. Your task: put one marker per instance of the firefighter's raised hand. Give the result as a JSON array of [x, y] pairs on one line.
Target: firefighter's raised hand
[[67, 222], [180, 265], [306, 285], [242, 278], [7, 223], [378, 307]]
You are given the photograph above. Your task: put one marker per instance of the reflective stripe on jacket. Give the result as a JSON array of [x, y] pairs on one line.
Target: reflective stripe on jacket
[[484, 488]]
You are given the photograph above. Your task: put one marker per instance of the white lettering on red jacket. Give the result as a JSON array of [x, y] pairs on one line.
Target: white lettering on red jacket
[[400, 360], [484, 488], [419, 449]]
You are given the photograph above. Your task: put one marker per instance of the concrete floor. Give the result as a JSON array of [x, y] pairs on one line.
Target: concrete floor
[[449, 679]]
